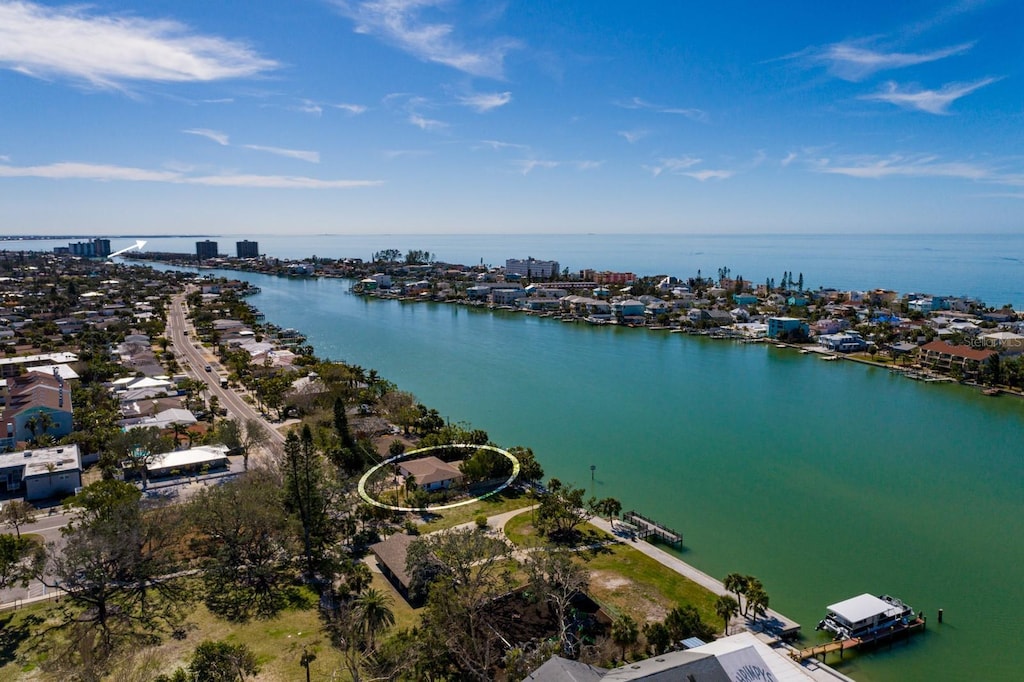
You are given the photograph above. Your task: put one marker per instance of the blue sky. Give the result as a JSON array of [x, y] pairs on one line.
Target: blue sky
[[449, 116]]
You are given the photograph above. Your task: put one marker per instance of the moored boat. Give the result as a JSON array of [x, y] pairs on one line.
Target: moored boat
[[866, 615]]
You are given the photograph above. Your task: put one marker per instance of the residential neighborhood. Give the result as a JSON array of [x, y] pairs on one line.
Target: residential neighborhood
[[165, 399]]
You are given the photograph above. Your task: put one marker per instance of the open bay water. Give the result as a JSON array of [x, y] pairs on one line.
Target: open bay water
[[987, 266], [824, 479]]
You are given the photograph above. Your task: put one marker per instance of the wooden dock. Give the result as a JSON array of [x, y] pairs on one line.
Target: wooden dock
[[647, 528], [842, 645]]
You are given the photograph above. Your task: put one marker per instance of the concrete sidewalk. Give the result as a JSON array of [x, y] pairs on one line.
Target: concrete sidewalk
[[703, 579]]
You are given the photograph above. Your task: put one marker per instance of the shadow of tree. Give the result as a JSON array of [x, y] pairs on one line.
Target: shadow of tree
[[14, 634]]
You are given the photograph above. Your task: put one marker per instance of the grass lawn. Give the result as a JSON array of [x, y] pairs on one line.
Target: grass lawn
[[504, 501], [625, 580], [521, 532], [278, 642]]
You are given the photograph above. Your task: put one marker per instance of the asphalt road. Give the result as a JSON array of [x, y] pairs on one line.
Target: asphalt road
[[194, 360]]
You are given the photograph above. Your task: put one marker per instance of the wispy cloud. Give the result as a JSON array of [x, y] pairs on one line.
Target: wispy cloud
[[685, 166], [215, 135], [673, 165], [350, 108], [88, 171], [486, 101], [108, 52], [71, 170], [632, 136], [526, 166], [498, 145], [401, 23], [308, 106], [704, 175], [931, 101], [856, 60], [789, 158], [403, 153], [301, 155], [428, 124], [1001, 195], [638, 103], [914, 166]]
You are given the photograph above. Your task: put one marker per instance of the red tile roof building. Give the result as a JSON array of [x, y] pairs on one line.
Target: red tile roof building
[[941, 356]]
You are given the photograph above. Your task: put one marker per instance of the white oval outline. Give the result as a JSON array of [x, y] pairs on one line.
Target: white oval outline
[[406, 455]]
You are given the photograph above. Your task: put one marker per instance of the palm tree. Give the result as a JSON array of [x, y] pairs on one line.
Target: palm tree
[[625, 633], [179, 429], [612, 508], [757, 600], [32, 424], [410, 485], [373, 615], [737, 584], [726, 607], [46, 421]]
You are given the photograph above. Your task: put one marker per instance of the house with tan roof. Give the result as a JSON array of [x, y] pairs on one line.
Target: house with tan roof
[[431, 473]]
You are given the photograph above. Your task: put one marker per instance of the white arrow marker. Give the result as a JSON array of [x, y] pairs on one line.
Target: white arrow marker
[[137, 245]]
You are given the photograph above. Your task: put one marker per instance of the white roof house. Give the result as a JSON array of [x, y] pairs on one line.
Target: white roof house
[[737, 658], [42, 472], [162, 420], [135, 383], [862, 608], [213, 456]]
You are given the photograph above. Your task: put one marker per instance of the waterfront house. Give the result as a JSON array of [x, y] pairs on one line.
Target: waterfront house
[[431, 473], [506, 296], [416, 288], [628, 308], [582, 306], [542, 304], [656, 307], [943, 357], [745, 299], [41, 473], [786, 326], [710, 317], [478, 293], [729, 659], [902, 349], [843, 342]]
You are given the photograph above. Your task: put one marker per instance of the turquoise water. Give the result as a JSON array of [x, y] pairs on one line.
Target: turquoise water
[[824, 479]]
